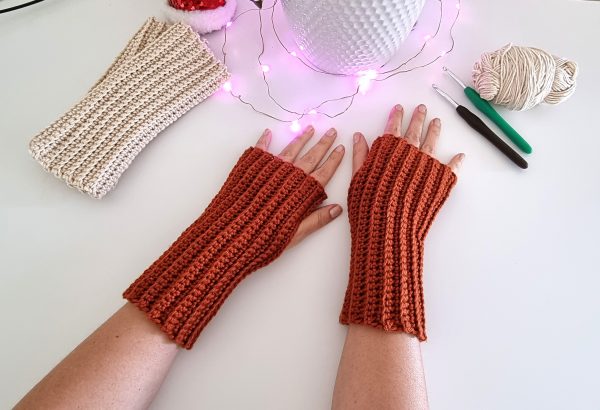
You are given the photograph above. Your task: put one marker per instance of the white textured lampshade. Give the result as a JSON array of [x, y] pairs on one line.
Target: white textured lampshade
[[345, 36]]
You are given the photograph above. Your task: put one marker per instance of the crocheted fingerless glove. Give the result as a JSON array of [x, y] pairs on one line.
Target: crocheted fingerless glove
[[392, 201], [163, 72], [246, 226]]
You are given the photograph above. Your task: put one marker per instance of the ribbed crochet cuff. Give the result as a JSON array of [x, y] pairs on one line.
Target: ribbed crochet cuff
[[392, 202], [163, 72], [246, 226]]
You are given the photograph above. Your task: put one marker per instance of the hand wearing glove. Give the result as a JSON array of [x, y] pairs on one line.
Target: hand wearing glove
[[258, 212], [396, 191], [392, 201]]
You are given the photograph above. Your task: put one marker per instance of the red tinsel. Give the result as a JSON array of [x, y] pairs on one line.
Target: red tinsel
[[191, 5]]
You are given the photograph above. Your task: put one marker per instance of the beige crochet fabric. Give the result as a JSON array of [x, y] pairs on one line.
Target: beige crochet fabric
[[164, 71]]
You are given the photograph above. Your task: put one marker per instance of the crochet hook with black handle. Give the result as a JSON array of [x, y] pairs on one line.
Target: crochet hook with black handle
[[478, 125], [486, 108]]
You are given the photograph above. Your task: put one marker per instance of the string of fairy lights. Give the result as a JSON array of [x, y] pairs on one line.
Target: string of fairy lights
[[364, 78]]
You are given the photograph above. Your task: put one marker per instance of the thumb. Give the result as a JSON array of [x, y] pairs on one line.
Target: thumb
[[315, 221], [360, 151]]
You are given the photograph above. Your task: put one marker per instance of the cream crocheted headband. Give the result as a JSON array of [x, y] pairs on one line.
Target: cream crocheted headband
[[164, 71]]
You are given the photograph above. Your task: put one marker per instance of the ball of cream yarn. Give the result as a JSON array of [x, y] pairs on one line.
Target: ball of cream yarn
[[522, 77]]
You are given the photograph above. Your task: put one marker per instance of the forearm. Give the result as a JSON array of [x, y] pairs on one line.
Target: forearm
[[396, 191], [121, 365], [266, 203], [380, 370]]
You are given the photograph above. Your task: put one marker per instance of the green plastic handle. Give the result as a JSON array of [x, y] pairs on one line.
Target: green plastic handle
[[485, 107]]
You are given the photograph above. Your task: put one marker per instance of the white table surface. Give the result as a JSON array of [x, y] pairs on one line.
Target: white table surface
[[511, 268]]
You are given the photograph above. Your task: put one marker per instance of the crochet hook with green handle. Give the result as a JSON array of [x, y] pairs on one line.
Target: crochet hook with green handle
[[489, 111]]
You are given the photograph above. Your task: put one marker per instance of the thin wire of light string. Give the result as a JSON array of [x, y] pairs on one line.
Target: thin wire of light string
[[288, 110], [307, 64], [318, 70], [444, 53], [351, 97], [299, 115], [437, 30]]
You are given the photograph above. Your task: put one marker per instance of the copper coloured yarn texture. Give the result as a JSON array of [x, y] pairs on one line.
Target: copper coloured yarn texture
[[392, 201], [245, 227]]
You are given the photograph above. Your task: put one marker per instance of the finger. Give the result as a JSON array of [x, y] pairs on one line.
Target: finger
[[315, 221], [264, 140], [360, 150], [394, 122], [415, 127], [431, 138], [324, 173], [456, 162], [292, 150], [309, 161]]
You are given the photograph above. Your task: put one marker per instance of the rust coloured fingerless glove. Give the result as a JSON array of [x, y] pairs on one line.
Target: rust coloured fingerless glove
[[246, 226], [392, 201]]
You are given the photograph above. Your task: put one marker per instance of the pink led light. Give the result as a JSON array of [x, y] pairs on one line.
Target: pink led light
[[364, 80], [227, 86], [313, 112], [266, 68], [229, 23], [295, 126]]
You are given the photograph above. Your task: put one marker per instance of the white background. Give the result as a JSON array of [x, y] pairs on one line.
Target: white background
[[511, 269]]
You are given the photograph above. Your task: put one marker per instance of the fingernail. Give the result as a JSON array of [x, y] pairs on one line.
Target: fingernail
[[398, 107], [422, 108], [266, 137], [459, 164], [437, 122], [356, 137], [339, 148], [335, 211], [330, 132]]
